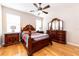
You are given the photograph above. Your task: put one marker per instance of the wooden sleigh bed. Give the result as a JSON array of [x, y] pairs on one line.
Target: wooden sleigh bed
[[33, 44]]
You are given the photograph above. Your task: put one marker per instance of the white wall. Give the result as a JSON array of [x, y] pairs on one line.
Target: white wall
[[0, 24], [69, 13], [0, 20], [26, 18]]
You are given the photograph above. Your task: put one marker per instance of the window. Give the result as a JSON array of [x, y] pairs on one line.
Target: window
[[38, 24], [13, 23]]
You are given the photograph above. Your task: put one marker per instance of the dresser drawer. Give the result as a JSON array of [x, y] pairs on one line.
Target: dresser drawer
[[57, 35], [61, 32], [61, 38], [61, 41]]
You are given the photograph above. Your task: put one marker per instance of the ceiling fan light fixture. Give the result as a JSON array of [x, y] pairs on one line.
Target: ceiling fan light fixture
[[40, 9]]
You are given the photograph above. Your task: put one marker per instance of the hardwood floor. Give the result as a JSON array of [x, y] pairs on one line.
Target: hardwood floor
[[55, 50]]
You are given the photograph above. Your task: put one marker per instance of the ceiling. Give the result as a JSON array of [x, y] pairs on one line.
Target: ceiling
[[25, 7]]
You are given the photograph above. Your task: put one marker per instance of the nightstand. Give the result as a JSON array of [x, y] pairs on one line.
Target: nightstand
[[11, 38]]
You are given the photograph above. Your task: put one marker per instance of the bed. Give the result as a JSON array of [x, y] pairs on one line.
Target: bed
[[32, 40]]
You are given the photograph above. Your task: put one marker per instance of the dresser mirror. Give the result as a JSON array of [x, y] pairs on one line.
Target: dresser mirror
[[49, 25], [55, 24], [56, 32], [61, 25]]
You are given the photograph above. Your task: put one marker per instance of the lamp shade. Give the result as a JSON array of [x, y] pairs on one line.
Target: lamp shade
[[13, 28]]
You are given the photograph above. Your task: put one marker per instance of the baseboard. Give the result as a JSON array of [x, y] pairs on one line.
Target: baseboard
[[73, 44]]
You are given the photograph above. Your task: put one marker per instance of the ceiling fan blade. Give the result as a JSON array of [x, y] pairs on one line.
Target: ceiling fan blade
[[35, 5], [45, 12], [46, 7]]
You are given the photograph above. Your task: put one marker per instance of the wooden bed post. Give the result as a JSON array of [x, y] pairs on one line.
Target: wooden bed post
[[29, 45]]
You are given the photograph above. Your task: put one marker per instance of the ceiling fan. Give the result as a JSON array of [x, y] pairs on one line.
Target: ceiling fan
[[39, 8]]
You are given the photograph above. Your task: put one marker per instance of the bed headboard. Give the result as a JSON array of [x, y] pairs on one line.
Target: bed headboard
[[28, 27]]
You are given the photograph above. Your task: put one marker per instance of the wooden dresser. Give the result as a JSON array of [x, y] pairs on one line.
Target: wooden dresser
[[57, 36], [56, 30], [11, 38]]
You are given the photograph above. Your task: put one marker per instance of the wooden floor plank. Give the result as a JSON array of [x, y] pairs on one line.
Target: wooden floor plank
[[51, 50]]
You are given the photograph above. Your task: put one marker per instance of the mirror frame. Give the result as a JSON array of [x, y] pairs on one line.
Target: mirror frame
[[56, 27]]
